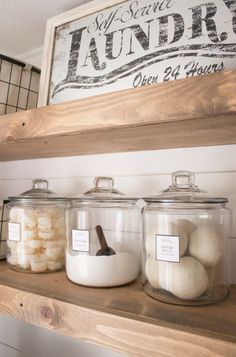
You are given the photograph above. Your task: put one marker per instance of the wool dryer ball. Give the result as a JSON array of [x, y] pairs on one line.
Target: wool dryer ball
[[187, 225], [206, 244], [151, 271], [165, 228], [187, 279]]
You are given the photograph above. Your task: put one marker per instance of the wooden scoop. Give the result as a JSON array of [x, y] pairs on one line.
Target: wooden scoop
[[105, 250]]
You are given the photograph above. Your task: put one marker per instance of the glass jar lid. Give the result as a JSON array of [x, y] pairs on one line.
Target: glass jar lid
[[104, 191], [184, 190], [40, 191]]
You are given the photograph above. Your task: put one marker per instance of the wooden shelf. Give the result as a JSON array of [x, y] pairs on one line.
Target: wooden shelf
[[190, 112], [122, 319]]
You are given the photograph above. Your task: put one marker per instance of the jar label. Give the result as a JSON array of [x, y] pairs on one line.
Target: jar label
[[167, 248], [80, 240], [14, 231]]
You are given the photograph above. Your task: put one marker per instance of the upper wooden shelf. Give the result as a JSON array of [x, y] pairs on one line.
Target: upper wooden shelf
[[189, 112], [123, 318]]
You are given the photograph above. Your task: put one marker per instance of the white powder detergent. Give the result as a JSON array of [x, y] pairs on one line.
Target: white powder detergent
[[102, 271]]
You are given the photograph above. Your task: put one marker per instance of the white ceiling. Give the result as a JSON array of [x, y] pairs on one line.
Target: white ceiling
[[23, 23]]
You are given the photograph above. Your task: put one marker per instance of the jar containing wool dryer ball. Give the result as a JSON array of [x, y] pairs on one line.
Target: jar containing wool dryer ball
[[185, 244], [36, 230], [103, 237]]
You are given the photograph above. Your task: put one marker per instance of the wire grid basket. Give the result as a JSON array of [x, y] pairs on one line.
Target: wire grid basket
[[19, 85]]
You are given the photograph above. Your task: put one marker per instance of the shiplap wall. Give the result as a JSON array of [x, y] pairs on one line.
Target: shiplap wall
[[19, 339], [137, 173]]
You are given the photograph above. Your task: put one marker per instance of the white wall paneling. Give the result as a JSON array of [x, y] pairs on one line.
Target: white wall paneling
[[7, 351], [138, 173], [20, 339], [33, 57], [23, 23]]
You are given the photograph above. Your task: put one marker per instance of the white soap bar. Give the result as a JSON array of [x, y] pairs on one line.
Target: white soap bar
[[15, 214], [187, 279], [12, 244], [38, 266], [44, 222], [29, 218], [35, 243], [24, 249], [25, 259], [14, 252], [54, 243], [54, 252], [46, 234], [206, 244], [25, 265], [167, 228], [29, 234], [53, 265], [58, 221], [12, 259]]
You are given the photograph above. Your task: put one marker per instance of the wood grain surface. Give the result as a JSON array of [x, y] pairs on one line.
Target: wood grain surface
[[123, 318], [190, 112]]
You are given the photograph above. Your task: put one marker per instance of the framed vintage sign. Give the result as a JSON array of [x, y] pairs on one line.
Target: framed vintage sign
[[106, 46]]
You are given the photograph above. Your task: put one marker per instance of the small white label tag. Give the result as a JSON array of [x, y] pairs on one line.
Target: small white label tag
[[167, 248], [14, 231], [80, 240]]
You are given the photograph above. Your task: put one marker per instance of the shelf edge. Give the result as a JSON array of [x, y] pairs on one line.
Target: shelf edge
[[133, 337]]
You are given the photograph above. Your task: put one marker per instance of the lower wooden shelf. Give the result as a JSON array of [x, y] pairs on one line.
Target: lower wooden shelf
[[123, 319]]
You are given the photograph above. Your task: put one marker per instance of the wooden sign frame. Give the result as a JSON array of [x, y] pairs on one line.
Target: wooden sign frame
[[52, 24], [121, 47]]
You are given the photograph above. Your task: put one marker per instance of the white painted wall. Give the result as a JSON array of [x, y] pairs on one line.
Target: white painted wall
[[32, 57], [19, 339]]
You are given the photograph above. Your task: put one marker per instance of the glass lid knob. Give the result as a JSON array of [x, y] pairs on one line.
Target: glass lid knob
[[40, 184], [105, 183], [184, 179]]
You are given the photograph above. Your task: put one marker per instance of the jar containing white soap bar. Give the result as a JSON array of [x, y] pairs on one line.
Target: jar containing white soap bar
[[103, 237], [186, 235], [36, 230]]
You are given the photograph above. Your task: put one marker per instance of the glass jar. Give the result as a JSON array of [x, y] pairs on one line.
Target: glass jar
[[185, 244], [103, 237], [36, 230]]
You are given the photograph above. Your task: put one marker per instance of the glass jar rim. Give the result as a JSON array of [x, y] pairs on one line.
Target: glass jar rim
[[184, 190], [39, 191]]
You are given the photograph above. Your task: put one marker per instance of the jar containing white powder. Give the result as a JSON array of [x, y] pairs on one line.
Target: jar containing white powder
[[36, 230], [186, 244], [103, 237]]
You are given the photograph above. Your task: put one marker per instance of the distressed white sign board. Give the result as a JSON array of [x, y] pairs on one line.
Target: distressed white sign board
[[138, 43]]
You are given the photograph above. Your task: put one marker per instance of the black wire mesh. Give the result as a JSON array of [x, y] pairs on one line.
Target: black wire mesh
[[19, 86]]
